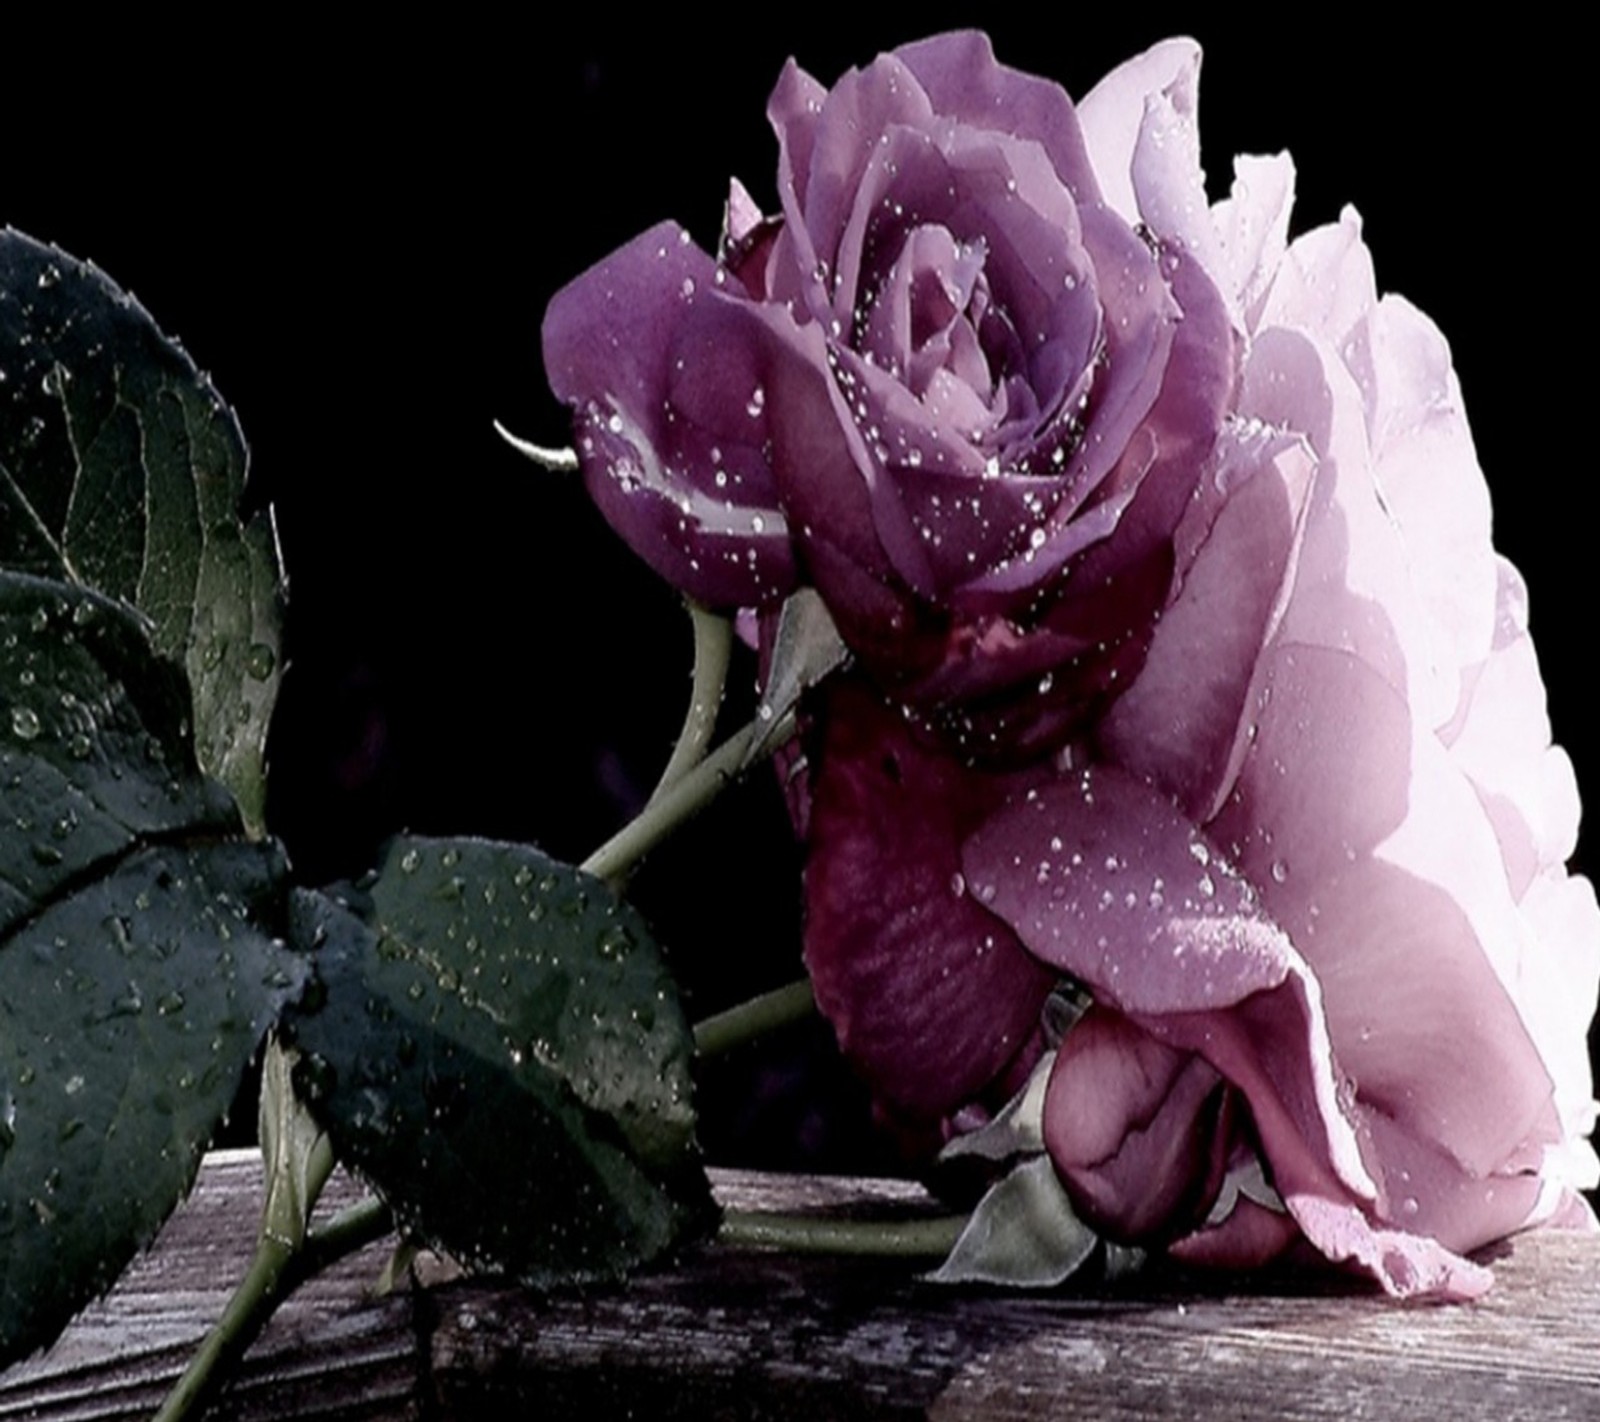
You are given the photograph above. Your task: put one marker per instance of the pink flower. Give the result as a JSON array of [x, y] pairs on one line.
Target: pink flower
[[1186, 669], [1309, 863]]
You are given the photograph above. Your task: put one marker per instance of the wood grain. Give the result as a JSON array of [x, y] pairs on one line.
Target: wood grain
[[746, 1335]]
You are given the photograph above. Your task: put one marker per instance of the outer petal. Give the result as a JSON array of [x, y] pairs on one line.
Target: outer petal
[[1184, 723], [1113, 114], [668, 376], [930, 994], [1130, 899]]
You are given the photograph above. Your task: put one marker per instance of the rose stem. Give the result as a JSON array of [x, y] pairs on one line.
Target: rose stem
[[713, 641], [805, 1234], [251, 1305], [754, 1018], [277, 1270], [685, 797]]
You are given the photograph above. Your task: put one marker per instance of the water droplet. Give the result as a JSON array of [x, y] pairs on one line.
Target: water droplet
[[409, 861], [127, 1004], [958, 884], [24, 723], [315, 1077], [260, 660], [1280, 871]]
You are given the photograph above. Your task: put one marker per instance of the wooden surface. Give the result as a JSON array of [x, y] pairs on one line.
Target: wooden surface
[[726, 1335]]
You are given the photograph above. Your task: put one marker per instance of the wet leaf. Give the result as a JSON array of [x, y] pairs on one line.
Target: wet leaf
[[501, 1052], [121, 470], [138, 969]]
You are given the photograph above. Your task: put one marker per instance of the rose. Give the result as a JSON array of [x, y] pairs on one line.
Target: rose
[[944, 379], [1309, 863]]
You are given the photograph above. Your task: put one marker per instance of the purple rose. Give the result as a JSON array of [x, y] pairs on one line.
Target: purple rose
[[1309, 862], [950, 386]]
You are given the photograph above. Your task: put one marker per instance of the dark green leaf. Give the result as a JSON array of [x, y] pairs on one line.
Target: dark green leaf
[[501, 1051], [121, 470], [135, 978], [94, 750]]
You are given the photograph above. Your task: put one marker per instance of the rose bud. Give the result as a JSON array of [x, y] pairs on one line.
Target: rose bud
[[947, 376]]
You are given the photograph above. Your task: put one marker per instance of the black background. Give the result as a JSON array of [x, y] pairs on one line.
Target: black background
[[356, 233]]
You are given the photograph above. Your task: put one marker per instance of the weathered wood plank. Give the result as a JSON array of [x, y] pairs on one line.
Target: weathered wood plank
[[746, 1335]]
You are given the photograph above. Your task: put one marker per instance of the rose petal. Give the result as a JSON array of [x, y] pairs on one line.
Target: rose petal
[[1249, 1238], [963, 81], [1252, 226], [1184, 723], [930, 995], [648, 352], [1107, 880], [1113, 112]]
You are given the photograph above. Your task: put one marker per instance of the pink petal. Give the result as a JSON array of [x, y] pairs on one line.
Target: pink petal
[[929, 993]]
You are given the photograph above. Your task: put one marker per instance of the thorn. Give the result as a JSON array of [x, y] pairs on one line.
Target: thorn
[[563, 461]]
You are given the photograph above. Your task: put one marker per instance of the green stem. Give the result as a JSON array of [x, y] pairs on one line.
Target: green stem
[[760, 1015], [278, 1268], [265, 1283], [351, 1229], [713, 643], [249, 1308], [683, 799], [806, 1234]]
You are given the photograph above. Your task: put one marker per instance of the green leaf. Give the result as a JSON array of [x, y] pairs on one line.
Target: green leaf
[[806, 648], [1023, 1234], [121, 470], [136, 978], [1017, 1128], [501, 1052]]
